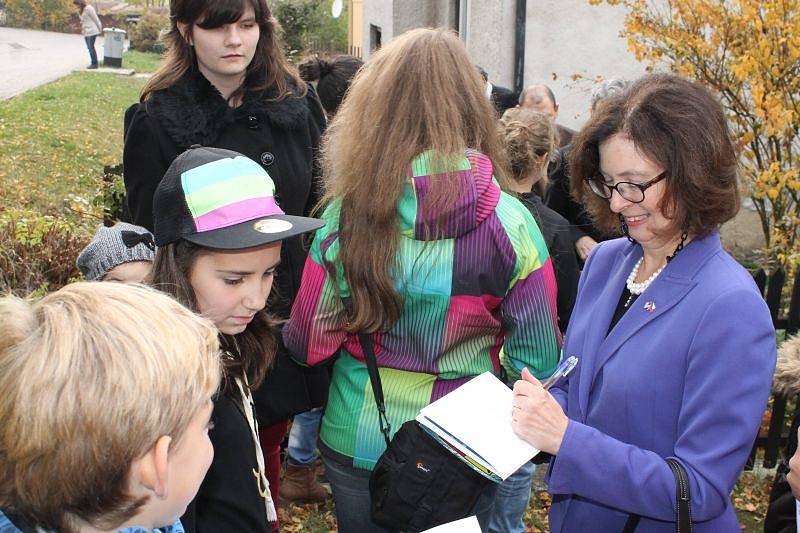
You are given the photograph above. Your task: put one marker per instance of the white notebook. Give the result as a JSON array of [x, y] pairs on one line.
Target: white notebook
[[475, 419]]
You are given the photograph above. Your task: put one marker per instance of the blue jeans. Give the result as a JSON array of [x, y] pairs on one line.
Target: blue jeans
[[351, 497], [510, 502], [90, 45], [302, 449]]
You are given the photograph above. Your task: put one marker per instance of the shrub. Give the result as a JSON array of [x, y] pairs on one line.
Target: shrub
[[53, 15], [145, 35], [111, 195], [37, 254]]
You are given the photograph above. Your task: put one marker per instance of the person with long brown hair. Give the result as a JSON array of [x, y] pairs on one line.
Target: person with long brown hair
[[422, 251], [91, 27], [225, 82]]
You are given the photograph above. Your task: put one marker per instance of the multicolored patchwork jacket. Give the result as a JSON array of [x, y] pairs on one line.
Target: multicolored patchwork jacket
[[485, 284]]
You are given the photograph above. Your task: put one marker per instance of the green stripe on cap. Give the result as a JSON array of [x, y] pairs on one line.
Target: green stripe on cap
[[220, 183]]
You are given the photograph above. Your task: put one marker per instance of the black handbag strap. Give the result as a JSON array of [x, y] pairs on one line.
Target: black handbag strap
[[683, 520], [375, 380], [374, 376]]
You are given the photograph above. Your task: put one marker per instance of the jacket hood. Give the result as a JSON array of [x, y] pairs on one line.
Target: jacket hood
[[478, 196], [787, 369], [194, 112]]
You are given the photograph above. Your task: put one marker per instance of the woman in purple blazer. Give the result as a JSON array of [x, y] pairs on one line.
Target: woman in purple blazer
[[676, 346]]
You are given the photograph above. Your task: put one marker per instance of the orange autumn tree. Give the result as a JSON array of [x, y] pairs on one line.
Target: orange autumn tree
[[748, 52]]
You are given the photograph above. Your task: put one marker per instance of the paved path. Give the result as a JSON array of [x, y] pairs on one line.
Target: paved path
[[30, 58]]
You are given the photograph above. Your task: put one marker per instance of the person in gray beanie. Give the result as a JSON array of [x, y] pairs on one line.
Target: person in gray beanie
[[123, 253]]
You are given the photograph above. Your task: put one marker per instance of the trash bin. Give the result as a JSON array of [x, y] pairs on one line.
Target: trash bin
[[113, 41]]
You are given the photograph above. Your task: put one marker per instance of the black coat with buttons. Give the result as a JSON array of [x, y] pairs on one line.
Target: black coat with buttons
[[283, 136]]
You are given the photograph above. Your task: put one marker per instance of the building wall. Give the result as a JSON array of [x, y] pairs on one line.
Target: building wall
[[567, 37], [490, 38], [410, 14], [562, 38], [380, 13]]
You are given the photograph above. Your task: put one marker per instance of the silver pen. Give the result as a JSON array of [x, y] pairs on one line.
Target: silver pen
[[564, 368]]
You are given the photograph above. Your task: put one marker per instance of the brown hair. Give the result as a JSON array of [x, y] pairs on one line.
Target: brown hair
[[80, 3], [679, 125], [92, 376], [268, 69], [253, 350], [528, 136], [420, 92]]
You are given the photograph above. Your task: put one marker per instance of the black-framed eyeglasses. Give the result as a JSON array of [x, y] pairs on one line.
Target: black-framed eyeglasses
[[633, 192]]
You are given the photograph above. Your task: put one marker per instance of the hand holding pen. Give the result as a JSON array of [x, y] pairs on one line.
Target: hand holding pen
[[536, 416]]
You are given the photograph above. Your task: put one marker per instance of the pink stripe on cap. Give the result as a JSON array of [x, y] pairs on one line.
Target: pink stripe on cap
[[232, 214]]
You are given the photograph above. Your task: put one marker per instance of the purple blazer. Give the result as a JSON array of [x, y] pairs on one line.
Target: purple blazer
[[685, 373]]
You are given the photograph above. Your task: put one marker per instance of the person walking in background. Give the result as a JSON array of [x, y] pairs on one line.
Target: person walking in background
[[676, 343], [300, 482], [226, 82], [91, 27], [421, 251]]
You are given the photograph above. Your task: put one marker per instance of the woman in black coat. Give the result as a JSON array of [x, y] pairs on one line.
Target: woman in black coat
[[226, 83]]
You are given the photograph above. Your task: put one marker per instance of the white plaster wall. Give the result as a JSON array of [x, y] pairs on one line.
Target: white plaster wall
[[380, 13], [490, 40], [566, 37], [562, 38]]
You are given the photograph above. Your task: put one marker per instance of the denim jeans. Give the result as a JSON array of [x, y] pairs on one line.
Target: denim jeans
[[350, 488], [352, 500], [510, 502], [90, 45], [302, 449]]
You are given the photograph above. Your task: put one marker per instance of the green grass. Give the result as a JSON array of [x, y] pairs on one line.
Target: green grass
[[141, 62], [55, 140]]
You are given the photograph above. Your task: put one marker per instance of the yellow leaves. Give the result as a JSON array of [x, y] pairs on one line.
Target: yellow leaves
[[748, 53]]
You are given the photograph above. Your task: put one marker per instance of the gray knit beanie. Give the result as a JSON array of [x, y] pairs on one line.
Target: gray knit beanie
[[121, 243]]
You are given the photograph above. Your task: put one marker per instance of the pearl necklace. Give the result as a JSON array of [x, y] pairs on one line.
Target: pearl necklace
[[638, 288]]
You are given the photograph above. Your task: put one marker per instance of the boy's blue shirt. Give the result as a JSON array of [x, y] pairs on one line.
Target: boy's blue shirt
[[7, 527]]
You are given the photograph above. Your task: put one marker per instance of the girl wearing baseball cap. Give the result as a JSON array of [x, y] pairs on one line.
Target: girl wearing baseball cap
[[219, 230], [226, 82]]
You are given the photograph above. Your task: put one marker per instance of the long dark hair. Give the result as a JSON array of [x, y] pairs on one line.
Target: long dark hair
[[269, 68], [253, 350]]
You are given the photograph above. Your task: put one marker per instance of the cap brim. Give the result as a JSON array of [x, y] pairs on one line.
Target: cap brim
[[255, 232]]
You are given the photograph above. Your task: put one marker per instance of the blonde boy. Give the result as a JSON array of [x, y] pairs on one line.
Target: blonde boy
[[106, 399]]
